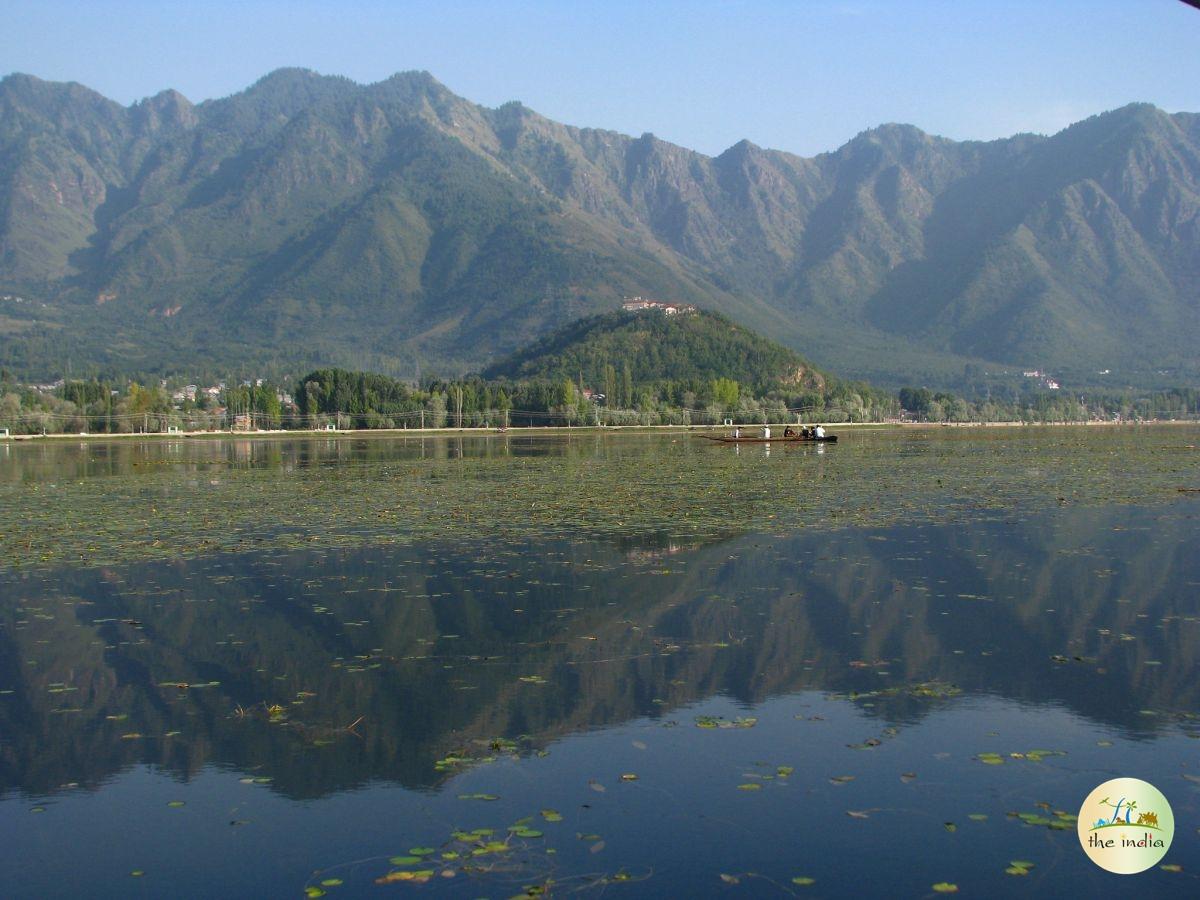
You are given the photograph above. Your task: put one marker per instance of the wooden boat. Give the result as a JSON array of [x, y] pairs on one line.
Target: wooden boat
[[797, 439]]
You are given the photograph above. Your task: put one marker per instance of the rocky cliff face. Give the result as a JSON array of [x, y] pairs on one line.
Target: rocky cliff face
[[309, 218]]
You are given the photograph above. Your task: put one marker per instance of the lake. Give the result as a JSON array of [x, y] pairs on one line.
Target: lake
[[638, 664]]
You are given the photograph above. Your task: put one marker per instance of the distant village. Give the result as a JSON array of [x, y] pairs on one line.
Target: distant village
[[1043, 380], [637, 304], [66, 406]]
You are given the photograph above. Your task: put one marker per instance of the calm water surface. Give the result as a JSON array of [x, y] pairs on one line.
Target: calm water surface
[[642, 666]]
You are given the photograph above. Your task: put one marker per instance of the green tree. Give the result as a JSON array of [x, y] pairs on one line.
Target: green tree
[[568, 405], [725, 392], [437, 411]]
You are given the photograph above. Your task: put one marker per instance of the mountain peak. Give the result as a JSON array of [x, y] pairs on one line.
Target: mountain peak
[[1131, 114], [304, 85], [1139, 108], [167, 107], [287, 75], [743, 147], [15, 80], [35, 88], [414, 77], [897, 134]]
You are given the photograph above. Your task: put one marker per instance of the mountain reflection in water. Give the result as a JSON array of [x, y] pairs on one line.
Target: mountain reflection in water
[[327, 670]]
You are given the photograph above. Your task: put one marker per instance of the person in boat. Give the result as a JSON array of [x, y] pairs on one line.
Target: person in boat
[[767, 432], [819, 432], [737, 431], [789, 432]]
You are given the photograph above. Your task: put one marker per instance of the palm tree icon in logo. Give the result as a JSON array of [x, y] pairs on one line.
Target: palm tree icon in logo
[[1129, 807]]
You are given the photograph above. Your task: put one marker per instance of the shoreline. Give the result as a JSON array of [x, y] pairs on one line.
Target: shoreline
[[547, 430]]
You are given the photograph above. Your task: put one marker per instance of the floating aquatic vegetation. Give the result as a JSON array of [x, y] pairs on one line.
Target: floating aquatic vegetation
[[1057, 820], [992, 758], [99, 520], [722, 722], [478, 854]]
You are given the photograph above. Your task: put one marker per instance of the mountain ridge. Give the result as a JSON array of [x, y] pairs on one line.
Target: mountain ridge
[[312, 220]]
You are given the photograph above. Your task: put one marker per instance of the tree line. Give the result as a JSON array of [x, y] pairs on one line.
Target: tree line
[[365, 400], [344, 399], [925, 405]]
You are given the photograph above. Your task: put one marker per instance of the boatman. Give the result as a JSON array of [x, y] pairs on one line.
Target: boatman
[[737, 432], [819, 432], [767, 432]]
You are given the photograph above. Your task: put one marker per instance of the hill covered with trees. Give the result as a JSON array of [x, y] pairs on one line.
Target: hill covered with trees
[[618, 368], [614, 350]]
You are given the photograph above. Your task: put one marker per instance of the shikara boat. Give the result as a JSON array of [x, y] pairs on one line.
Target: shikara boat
[[797, 439]]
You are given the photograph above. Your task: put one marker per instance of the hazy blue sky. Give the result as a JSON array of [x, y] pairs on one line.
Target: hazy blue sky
[[799, 76]]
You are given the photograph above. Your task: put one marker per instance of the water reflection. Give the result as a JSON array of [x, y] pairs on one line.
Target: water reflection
[[329, 669], [55, 460]]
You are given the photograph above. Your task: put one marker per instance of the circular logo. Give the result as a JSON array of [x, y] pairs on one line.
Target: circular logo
[[1126, 825]]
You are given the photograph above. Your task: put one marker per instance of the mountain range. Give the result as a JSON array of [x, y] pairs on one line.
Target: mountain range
[[310, 220]]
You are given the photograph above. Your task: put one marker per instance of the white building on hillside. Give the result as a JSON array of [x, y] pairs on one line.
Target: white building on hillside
[[636, 304]]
